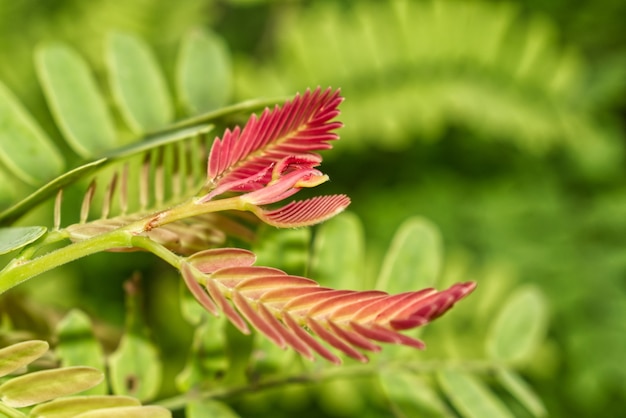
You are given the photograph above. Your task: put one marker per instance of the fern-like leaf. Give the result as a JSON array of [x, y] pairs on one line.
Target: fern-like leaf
[[242, 160], [289, 309]]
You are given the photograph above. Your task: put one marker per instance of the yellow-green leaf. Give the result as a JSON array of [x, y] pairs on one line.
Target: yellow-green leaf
[[72, 406], [75, 100], [18, 355], [128, 412], [37, 387], [25, 149]]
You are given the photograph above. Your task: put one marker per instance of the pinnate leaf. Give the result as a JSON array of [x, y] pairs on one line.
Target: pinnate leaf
[[245, 157], [304, 212], [278, 305]]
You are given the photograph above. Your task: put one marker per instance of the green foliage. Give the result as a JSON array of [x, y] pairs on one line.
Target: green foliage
[[48, 390], [416, 68], [457, 72]]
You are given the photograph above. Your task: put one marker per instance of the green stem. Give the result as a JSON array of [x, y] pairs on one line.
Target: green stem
[[179, 402], [185, 210], [19, 270]]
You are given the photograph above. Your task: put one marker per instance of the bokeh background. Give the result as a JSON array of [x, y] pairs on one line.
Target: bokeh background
[[501, 122]]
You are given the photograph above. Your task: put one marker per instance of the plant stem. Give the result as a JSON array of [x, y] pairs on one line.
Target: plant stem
[[179, 402], [18, 271]]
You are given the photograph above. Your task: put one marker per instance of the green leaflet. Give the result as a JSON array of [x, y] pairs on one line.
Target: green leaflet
[[203, 72], [286, 249], [13, 238], [25, 149], [135, 368], [411, 396], [70, 407], [7, 189], [78, 346], [519, 327], [470, 397], [209, 409], [339, 253], [138, 85], [42, 386], [75, 100], [414, 258], [207, 359], [21, 354], [517, 387]]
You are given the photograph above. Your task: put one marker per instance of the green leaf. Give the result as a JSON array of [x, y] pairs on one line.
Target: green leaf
[[135, 368], [21, 354], [25, 149], [14, 238], [519, 327], [203, 72], [414, 258], [42, 386], [128, 412], [521, 391], [75, 100], [285, 249], [411, 396], [138, 85], [208, 359], [470, 397], [7, 189], [78, 346], [339, 253], [209, 409], [70, 407]]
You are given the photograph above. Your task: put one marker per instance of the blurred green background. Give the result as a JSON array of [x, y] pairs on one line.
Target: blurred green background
[[502, 122]]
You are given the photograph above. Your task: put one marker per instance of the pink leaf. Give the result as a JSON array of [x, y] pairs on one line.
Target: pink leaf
[[279, 306], [304, 212], [300, 127]]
